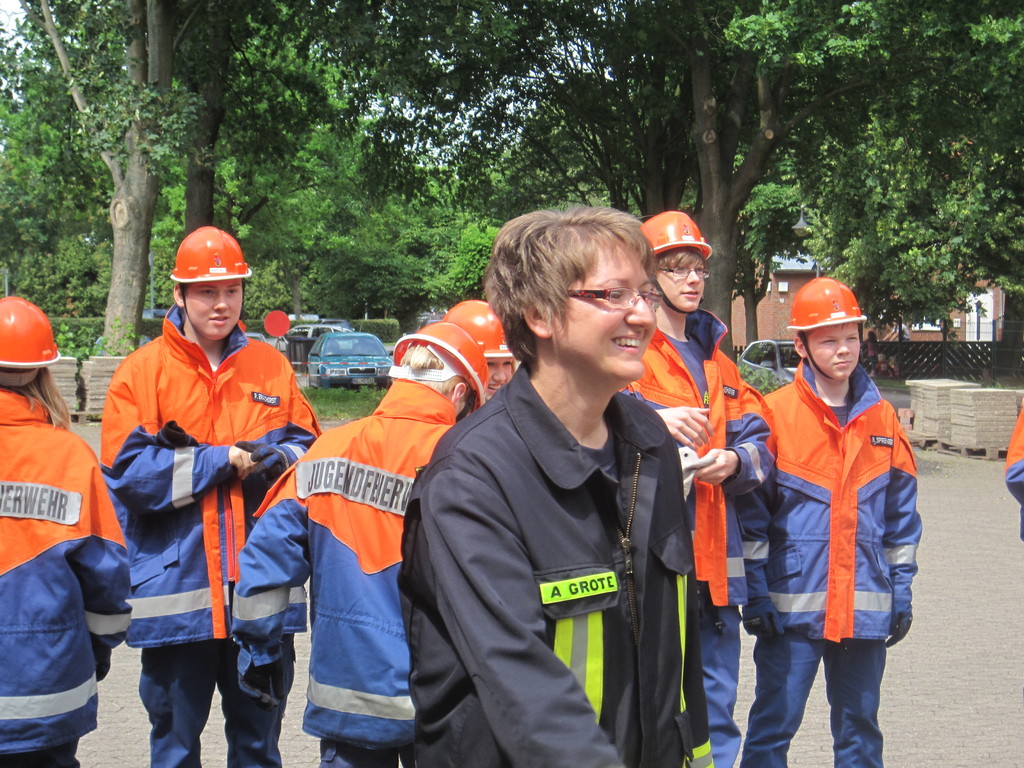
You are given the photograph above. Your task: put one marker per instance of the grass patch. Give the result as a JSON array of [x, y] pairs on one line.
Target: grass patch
[[343, 404]]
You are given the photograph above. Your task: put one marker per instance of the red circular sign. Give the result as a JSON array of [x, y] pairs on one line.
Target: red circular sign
[[276, 323]]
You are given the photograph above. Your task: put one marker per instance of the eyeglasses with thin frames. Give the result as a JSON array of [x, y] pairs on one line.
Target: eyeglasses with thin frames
[[683, 273], [619, 298]]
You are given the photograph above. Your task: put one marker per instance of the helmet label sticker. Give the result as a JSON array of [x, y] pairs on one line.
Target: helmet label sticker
[[578, 587], [40, 502], [259, 397], [357, 482]]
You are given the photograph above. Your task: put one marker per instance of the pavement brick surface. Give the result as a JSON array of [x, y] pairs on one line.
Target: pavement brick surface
[[952, 693]]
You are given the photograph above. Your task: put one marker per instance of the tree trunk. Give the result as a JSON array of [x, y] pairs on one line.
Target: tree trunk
[[131, 214], [199, 185], [750, 304]]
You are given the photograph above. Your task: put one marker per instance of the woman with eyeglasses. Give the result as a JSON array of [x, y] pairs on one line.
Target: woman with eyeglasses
[[710, 410], [547, 576]]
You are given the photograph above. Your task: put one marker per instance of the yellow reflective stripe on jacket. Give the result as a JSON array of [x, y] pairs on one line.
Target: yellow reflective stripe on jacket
[[681, 607], [702, 757], [579, 643]]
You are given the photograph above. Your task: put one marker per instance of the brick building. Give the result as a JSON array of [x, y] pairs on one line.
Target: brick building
[[791, 275]]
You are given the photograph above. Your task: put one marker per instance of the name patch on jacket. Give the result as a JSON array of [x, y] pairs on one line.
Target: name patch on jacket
[[577, 587], [730, 392], [40, 502], [259, 397], [356, 482], [882, 440]]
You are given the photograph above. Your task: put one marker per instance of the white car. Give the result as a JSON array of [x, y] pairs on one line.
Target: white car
[[777, 357]]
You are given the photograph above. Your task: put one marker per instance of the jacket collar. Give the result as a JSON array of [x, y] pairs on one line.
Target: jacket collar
[[702, 327], [412, 400], [555, 450], [187, 350], [863, 392], [15, 410]]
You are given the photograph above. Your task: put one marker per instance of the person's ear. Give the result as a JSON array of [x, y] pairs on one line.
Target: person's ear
[[539, 325], [801, 347], [458, 395], [179, 295]]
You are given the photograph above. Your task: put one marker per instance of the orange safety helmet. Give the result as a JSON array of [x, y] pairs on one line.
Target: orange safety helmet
[[208, 254], [824, 301], [674, 229], [26, 336], [459, 351], [477, 319]]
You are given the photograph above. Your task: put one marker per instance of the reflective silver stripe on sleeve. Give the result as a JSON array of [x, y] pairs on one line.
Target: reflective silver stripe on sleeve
[[735, 568], [48, 704], [902, 555], [298, 450], [755, 459], [170, 605], [261, 605], [297, 596], [755, 550], [106, 623], [360, 702], [181, 477]]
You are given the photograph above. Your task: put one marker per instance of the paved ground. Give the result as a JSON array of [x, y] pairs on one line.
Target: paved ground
[[952, 692]]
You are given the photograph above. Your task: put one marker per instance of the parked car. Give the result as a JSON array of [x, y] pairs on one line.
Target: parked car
[[348, 359], [775, 356], [256, 335], [341, 323], [309, 331]]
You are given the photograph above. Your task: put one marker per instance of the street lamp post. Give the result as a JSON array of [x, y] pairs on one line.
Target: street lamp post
[[802, 229]]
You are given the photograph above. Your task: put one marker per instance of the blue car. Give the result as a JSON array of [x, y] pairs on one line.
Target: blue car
[[348, 359]]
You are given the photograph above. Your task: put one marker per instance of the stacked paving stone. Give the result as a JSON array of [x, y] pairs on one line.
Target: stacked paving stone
[[929, 399], [96, 374], [65, 374], [983, 418]]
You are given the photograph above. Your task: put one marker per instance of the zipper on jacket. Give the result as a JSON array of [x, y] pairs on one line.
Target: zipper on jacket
[[627, 551]]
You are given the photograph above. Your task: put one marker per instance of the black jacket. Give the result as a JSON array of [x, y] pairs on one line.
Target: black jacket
[[513, 541]]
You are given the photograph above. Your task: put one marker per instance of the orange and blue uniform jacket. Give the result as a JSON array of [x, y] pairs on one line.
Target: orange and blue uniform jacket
[[839, 516], [184, 512], [737, 415], [336, 518], [63, 580], [1015, 467]]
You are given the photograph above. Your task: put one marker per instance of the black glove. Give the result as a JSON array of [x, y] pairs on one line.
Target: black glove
[[173, 436], [760, 618], [101, 653], [270, 461], [264, 683], [899, 625]]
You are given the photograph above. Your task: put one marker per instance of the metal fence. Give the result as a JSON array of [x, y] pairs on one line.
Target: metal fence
[[987, 362]]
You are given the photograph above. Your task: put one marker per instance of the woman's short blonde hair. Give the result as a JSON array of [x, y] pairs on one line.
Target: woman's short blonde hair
[[537, 257]]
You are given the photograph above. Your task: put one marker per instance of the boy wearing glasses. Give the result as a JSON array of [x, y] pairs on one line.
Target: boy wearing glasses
[[707, 407]]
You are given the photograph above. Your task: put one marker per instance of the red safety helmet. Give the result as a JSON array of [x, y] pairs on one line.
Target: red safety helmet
[[477, 319], [208, 254], [674, 229], [26, 336], [456, 348], [824, 301]]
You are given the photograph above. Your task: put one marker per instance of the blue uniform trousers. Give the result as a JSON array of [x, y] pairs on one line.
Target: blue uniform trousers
[[720, 651], [177, 687], [61, 756], [786, 668], [338, 754]]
